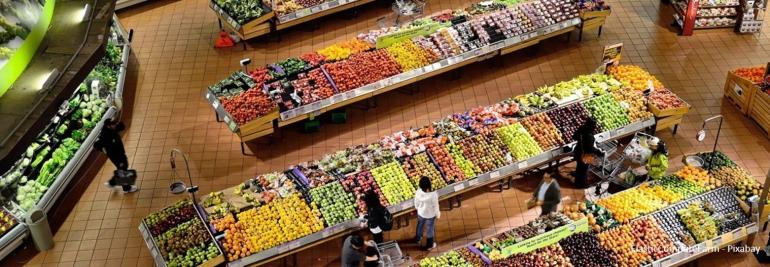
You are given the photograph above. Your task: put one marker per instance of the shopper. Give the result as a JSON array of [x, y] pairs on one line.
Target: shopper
[[378, 218], [426, 203], [372, 257], [584, 151], [547, 194], [657, 163], [110, 143], [351, 250]]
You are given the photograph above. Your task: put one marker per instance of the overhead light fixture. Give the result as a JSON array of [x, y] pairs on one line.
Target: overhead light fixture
[[46, 80], [84, 16]]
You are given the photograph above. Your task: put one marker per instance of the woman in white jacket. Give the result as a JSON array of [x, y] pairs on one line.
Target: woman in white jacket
[[426, 203]]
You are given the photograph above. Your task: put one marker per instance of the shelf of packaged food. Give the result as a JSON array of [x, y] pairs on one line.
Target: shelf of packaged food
[[716, 16], [445, 193], [264, 125], [719, 6], [262, 25], [714, 27]]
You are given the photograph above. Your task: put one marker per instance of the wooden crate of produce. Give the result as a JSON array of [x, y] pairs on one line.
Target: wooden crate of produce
[[595, 14], [258, 126], [739, 91], [760, 110], [668, 122], [659, 113]]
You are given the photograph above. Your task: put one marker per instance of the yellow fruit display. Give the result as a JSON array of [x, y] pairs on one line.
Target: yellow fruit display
[[695, 175], [634, 77], [660, 192], [632, 203]]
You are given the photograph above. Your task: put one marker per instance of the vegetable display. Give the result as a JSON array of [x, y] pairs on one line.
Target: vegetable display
[[17, 19]]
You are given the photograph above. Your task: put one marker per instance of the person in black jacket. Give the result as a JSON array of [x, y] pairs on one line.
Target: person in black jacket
[[110, 143], [375, 217], [585, 139]]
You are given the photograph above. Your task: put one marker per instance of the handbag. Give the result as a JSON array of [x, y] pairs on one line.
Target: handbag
[[586, 158]]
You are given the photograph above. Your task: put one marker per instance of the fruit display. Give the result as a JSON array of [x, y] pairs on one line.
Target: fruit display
[[696, 176], [241, 11], [534, 102], [542, 129], [340, 51], [194, 256], [607, 112], [359, 184], [681, 187], [568, 119], [599, 218], [485, 151], [410, 56], [393, 182], [519, 141], [446, 163], [236, 83], [552, 255], [650, 237], [583, 86], [663, 99], [313, 86], [700, 223], [335, 204], [162, 220], [753, 74], [451, 258], [313, 175], [549, 222], [745, 185], [411, 142], [447, 127], [633, 102], [277, 183], [471, 257], [655, 191], [313, 59], [622, 243], [480, 119], [468, 167], [7, 221], [357, 158], [635, 77], [584, 249], [420, 165], [631, 203], [715, 160], [251, 104], [180, 238]]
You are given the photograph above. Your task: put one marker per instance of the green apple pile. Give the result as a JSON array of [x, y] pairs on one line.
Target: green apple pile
[[451, 258], [393, 182], [335, 204], [607, 112], [194, 256], [420, 165], [469, 169], [519, 142]]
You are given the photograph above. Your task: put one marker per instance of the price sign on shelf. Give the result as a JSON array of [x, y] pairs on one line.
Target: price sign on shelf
[[295, 245], [208, 96], [522, 165], [494, 174], [473, 182], [404, 205], [337, 98], [459, 187], [334, 3], [215, 104], [753, 229]]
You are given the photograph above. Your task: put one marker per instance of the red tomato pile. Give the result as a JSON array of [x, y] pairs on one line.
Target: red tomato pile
[[754, 74], [313, 58], [344, 75], [248, 105], [374, 66], [260, 76], [313, 86]]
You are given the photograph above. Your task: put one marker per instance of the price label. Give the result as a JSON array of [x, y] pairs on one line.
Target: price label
[[405, 205], [337, 98], [154, 253], [334, 3], [473, 182], [428, 68], [325, 234], [227, 119], [315, 113], [444, 63], [315, 9], [522, 165], [396, 79], [753, 229], [494, 174], [325, 6], [620, 131], [283, 249], [215, 104], [295, 245], [232, 126], [208, 96], [459, 187]]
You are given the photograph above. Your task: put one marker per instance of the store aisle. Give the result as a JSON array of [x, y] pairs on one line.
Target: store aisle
[[173, 43]]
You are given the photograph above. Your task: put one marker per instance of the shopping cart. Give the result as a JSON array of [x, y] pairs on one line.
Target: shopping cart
[[391, 255], [622, 168]]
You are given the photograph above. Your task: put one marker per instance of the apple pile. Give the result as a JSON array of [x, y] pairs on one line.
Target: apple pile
[[451, 258], [584, 249], [393, 182], [485, 151], [410, 56], [420, 165], [335, 204], [552, 255], [194, 256], [633, 102], [568, 119], [745, 185], [248, 106], [663, 99], [169, 217], [650, 237], [655, 191], [473, 259], [469, 169], [312, 86], [359, 184], [622, 243], [177, 240], [446, 163], [635, 77], [7, 221], [518, 141], [543, 130], [607, 112]]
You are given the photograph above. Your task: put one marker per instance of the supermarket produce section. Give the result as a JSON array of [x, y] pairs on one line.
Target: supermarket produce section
[[461, 152]]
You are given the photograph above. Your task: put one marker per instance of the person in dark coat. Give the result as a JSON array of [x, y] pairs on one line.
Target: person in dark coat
[[585, 139], [110, 143], [547, 195], [375, 216]]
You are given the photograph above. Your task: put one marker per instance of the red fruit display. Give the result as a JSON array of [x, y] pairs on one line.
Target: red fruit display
[[313, 86], [359, 184], [542, 129], [313, 59], [486, 151], [420, 165], [248, 106], [650, 237], [664, 99], [446, 163], [568, 119]]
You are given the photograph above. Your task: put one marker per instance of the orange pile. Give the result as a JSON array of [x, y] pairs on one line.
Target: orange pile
[[754, 74]]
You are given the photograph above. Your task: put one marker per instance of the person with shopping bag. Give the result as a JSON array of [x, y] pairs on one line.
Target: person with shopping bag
[[110, 143]]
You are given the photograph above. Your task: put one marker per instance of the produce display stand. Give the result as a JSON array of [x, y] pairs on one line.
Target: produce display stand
[[759, 110], [669, 118], [158, 257], [740, 91], [446, 193], [270, 123], [688, 12], [15, 237], [592, 20], [269, 22]]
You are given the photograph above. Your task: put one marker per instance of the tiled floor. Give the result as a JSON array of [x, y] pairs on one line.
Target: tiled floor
[[173, 44]]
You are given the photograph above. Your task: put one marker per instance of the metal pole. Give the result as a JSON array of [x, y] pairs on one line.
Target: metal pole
[[716, 141], [191, 189]]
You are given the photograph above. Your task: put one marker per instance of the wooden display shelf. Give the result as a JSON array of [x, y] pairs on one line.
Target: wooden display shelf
[[592, 20], [258, 127], [740, 91], [668, 122], [760, 110], [660, 113]]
